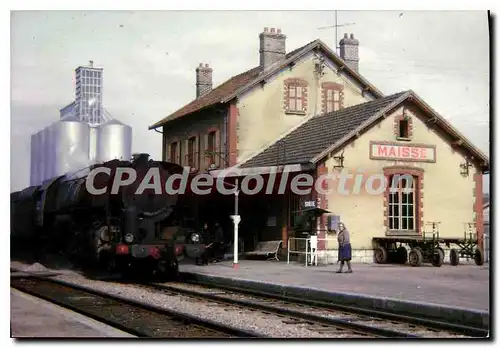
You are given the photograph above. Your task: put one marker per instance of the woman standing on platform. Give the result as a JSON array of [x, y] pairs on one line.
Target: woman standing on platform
[[344, 248]]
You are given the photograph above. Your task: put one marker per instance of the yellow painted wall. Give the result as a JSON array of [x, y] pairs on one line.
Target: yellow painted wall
[[448, 196], [262, 119]]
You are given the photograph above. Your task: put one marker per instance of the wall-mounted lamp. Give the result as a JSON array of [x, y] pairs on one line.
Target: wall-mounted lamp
[[340, 161], [464, 167]]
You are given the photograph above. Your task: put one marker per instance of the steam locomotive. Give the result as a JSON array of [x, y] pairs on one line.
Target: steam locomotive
[[89, 215]]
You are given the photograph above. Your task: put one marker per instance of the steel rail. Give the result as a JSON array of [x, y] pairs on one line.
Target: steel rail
[[110, 310], [466, 330], [340, 323]]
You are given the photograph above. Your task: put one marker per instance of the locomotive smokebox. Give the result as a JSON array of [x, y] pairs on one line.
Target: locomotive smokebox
[[130, 224]]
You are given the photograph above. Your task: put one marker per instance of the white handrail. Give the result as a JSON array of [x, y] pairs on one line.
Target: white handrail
[[309, 253]]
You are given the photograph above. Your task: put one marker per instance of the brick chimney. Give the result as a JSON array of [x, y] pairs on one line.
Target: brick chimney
[[349, 51], [203, 80], [272, 47]]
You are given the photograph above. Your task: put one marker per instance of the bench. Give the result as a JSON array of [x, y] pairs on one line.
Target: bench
[[268, 248]]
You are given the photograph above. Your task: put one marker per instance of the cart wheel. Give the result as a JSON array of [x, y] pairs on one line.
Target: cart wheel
[[438, 257], [402, 255], [454, 257], [415, 257], [380, 255], [479, 257]]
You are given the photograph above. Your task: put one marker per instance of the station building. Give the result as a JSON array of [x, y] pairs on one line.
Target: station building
[[310, 111]]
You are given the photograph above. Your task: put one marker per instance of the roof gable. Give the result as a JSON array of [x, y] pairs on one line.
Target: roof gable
[[317, 134], [317, 45], [241, 83], [339, 128]]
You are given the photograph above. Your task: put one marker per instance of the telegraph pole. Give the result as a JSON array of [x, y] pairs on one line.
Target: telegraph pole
[[336, 26]]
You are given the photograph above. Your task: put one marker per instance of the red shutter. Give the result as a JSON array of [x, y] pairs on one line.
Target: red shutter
[[217, 155], [185, 156], [178, 151], [204, 153], [196, 152]]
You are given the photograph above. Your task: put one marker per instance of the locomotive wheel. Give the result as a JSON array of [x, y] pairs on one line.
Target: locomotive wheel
[[402, 255], [415, 257], [479, 257], [454, 257], [380, 255], [438, 257]]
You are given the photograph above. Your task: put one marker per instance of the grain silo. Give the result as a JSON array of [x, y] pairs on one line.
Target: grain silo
[[60, 147], [114, 141]]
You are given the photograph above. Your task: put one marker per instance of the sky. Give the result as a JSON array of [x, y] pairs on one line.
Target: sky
[[149, 60]]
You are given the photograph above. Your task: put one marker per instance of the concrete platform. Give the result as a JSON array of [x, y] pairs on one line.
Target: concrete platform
[[447, 290], [34, 318], [462, 286]]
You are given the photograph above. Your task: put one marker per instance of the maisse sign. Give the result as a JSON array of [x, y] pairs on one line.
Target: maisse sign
[[402, 152]]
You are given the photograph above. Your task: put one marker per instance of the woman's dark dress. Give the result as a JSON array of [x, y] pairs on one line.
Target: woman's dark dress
[[344, 246]]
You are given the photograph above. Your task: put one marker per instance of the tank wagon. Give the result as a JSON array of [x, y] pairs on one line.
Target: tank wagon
[[122, 230]]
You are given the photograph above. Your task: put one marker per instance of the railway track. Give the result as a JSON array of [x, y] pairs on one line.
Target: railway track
[[330, 320], [130, 316], [324, 317]]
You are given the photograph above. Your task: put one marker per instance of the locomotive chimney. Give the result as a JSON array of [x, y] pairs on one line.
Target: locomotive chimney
[[140, 157]]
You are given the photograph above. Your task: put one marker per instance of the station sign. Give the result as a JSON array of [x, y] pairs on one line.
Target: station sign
[[402, 152], [310, 204]]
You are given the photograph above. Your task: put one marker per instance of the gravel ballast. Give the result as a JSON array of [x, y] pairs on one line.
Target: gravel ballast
[[269, 325]]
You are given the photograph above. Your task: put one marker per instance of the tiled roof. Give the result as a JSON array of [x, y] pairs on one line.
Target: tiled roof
[[220, 92], [317, 134], [245, 80], [214, 96]]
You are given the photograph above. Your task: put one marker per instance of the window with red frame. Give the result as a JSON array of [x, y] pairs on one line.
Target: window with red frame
[[332, 99], [403, 128], [295, 97], [402, 202]]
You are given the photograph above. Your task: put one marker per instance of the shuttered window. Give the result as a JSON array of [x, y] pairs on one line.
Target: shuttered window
[[211, 147], [173, 152], [192, 153]]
